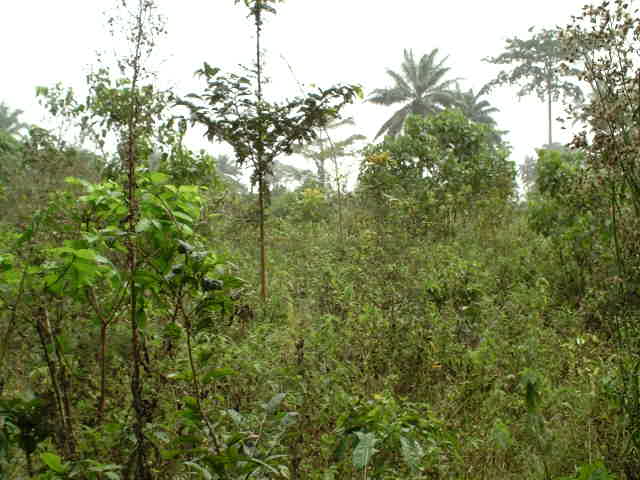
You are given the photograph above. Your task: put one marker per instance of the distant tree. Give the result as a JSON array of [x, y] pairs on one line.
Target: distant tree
[[230, 172], [9, 121], [324, 148], [227, 167], [477, 109], [536, 69], [420, 87], [283, 175], [473, 107], [527, 172]]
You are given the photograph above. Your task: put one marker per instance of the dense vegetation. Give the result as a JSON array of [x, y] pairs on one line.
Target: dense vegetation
[[431, 323]]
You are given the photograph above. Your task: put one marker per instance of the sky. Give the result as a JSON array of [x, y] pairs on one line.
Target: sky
[[326, 42]]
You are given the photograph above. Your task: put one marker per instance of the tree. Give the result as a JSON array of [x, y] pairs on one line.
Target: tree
[[9, 121], [324, 148], [473, 107], [476, 109], [536, 69], [259, 130], [284, 174], [420, 87]]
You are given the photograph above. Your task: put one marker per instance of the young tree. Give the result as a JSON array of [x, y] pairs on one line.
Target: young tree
[[259, 130], [536, 69]]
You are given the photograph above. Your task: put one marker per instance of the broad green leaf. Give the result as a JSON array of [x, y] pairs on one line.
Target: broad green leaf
[[158, 178], [364, 450], [182, 216], [54, 462], [264, 464], [6, 262], [412, 453], [86, 254]]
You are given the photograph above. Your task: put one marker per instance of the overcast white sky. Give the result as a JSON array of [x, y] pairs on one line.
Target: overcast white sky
[[325, 41]]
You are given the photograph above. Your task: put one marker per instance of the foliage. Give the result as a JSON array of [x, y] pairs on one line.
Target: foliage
[[441, 167], [602, 45], [386, 437], [230, 113]]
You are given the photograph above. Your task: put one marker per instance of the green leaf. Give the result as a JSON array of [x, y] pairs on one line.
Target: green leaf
[[365, 450], [412, 453], [86, 254], [158, 178], [54, 462], [144, 225], [6, 262], [501, 435]]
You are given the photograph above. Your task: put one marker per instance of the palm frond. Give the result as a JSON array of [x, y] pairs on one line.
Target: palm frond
[[387, 96], [393, 125]]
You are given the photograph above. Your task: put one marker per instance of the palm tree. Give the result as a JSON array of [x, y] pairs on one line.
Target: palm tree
[[478, 110], [473, 107], [420, 87]]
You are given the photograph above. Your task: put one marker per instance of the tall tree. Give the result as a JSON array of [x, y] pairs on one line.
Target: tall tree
[[420, 87], [9, 119], [536, 69]]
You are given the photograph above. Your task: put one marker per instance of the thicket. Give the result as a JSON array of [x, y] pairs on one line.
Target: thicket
[[429, 324]]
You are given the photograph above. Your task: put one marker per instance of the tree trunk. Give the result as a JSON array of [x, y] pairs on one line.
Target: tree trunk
[[549, 110], [263, 252], [262, 167]]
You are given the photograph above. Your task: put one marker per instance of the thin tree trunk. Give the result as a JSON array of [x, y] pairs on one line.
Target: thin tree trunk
[[103, 383], [64, 427], [549, 111], [260, 159], [142, 471], [263, 252]]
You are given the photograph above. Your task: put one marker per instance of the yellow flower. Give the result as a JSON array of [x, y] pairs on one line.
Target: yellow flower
[[379, 158]]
